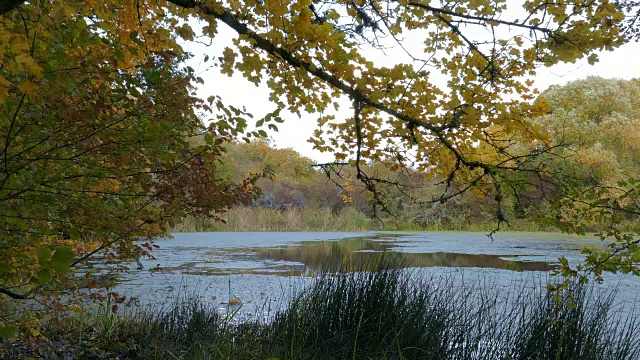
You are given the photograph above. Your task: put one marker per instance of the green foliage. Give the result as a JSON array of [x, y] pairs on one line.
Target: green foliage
[[8, 332]]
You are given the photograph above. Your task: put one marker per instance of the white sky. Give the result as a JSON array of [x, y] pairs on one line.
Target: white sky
[[294, 132]]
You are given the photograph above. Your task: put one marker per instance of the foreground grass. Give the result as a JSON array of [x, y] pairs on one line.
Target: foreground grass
[[385, 314], [347, 219]]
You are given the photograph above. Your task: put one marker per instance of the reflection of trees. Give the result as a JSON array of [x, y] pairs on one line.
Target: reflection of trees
[[363, 254]]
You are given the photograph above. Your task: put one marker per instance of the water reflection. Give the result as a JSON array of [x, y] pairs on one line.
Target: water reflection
[[355, 254]]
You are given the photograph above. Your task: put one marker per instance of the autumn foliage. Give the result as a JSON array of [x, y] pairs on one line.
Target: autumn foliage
[[95, 146], [98, 112]]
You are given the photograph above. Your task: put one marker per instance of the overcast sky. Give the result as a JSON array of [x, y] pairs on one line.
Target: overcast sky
[[621, 63]]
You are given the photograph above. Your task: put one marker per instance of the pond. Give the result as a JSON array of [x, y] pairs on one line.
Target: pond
[[264, 269]]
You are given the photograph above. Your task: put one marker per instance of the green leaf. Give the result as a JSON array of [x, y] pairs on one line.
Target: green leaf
[[44, 254], [563, 261], [259, 122], [8, 332], [5, 268], [42, 277], [208, 139], [62, 260]]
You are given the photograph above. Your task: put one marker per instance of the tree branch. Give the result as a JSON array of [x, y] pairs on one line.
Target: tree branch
[[485, 19], [13, 295], [357, 95]]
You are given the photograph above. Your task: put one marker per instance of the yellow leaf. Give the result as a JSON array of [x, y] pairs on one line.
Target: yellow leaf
[[28, 87]]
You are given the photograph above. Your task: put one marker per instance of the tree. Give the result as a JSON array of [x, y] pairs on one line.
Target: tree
[[313, 56], [259, 155], [594, 170], [97, 156]]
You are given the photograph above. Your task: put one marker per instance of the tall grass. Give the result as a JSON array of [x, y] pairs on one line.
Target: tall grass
[[292, 219], [321, 219], [483, 226], [394, 314], [385, 314], [581, 326]]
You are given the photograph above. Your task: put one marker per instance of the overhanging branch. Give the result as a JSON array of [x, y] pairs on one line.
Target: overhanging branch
[[265, 45], [13, 295]]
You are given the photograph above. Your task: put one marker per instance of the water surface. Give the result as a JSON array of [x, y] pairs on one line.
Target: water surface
[[265, 269]]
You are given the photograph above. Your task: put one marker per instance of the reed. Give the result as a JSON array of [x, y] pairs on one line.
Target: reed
[[292, 219], [347, 219]]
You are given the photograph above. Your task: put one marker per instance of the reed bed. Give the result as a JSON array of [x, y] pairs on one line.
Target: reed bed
[[252, 219], [292, 219]]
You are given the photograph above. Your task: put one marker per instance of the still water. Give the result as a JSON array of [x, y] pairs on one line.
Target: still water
[[265, 269]]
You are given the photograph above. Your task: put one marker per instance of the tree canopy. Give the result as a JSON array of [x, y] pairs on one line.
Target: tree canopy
[[94, 105], [96, 152], [595, 170]]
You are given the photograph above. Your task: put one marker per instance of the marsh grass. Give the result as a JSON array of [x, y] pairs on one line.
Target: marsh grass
[[322, 219], [293, 219], [389, 313], [483, 226]]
